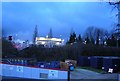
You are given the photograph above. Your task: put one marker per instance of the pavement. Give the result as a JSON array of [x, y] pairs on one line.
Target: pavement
[[87, 74]]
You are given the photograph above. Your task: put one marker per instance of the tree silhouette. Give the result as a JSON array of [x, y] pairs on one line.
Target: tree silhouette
[[95, 34], [113, 40], [87, 40], [72, 38], [116, 5], [79, 38], [50, 35], [8, 49]]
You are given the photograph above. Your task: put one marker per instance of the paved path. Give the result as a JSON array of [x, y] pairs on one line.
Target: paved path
[[87, 74]]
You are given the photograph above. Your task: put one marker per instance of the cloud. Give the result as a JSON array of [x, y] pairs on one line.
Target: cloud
[[61, 17]]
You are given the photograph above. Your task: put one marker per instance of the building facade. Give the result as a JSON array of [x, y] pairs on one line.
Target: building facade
[[49, 42]]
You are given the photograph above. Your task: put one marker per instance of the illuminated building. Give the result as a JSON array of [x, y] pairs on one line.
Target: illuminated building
[[49, 42]]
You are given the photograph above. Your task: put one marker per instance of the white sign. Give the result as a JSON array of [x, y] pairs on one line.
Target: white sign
[[19, 68], [42, 66], [53, 74], [110, 70]]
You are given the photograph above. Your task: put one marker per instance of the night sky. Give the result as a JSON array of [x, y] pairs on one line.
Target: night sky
[[19, 19]]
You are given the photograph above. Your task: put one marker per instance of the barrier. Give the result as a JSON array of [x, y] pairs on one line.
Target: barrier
[[32, 72]]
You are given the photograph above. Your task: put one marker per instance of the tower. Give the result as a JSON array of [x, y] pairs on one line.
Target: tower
[[35, 34], [50, 35]]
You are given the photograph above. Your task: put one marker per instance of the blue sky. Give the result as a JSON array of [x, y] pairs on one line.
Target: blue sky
[[21, 17]]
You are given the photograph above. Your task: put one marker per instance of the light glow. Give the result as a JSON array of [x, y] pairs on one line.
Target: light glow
[[58, 43], [42, 42]]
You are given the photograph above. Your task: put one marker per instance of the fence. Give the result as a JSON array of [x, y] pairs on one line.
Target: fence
[[32, 72], [84, 61], [96, 62]]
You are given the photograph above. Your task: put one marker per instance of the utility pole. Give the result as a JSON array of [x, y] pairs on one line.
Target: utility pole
[[68, 75]]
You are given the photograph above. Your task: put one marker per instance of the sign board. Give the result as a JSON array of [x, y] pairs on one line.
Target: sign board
[[53, 74], [43, 75], [42, 66], [19, 68]]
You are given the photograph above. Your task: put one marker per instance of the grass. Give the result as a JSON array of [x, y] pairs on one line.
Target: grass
[[92, 69]]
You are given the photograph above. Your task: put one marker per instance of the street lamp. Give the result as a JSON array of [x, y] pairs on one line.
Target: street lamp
[[70, 68]]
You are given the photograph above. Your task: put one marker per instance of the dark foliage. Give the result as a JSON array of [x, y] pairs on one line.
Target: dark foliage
[[112, 41], [55, 53], [79, 39], [92, 50], [8, 49], [72, 38], [73, 51]]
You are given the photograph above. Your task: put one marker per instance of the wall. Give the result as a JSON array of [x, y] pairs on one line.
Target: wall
[[31, 72]]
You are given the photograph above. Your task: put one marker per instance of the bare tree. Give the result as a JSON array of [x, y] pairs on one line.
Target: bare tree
[[116, 4], [90, 33], [95, 34]]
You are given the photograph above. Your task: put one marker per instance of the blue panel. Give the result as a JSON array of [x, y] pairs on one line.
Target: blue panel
[[27, 72], [6, 70], [35, 73], [20, 71], [63, 75], [13, 71]]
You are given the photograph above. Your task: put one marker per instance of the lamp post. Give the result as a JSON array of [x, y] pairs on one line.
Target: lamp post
[[70, 68], [69, 73]]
